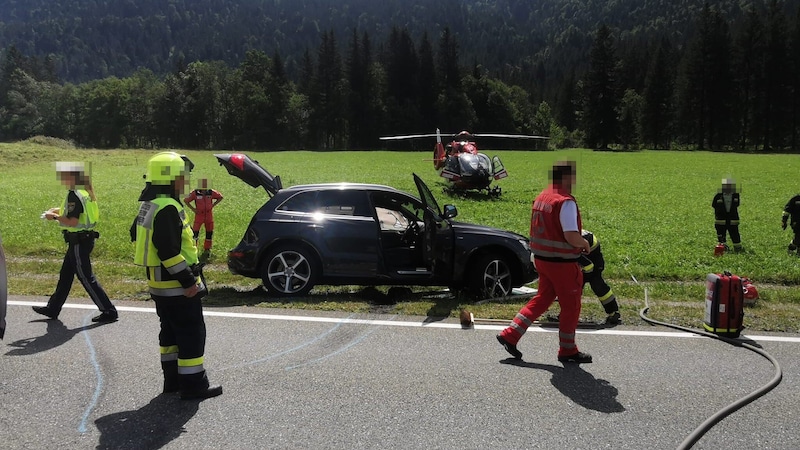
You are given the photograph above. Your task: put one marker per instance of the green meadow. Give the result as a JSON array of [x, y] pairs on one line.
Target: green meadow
[[651, 211]]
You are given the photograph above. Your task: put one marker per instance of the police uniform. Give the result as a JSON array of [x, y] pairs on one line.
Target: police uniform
[[165, 247], [80, 243]]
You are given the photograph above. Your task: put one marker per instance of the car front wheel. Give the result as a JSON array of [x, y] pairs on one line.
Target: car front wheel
[[491, 277], [289, 271]]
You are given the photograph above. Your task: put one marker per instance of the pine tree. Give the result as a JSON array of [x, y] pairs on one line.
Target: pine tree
[[657, 113], [601, 93]]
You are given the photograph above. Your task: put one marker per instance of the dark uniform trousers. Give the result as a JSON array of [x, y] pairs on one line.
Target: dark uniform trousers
[[77, 263], [182, 326]]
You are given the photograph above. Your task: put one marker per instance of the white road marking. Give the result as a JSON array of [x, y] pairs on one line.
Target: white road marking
[[415, 324]]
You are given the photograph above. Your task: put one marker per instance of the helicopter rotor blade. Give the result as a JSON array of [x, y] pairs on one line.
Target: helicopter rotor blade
[[408, 136], [510, 136]]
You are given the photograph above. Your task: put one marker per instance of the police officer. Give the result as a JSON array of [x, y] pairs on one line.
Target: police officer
[[593, 265], [77, 219], [165, 247]]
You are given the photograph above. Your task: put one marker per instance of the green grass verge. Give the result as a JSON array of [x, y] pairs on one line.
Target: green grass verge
[[651, 210]]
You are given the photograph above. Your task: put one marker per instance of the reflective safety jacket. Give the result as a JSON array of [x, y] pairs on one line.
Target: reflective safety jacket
[[547, 235], [726, 212], [167, 275], [90, 215]]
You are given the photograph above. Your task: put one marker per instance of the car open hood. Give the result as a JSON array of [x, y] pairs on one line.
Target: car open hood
[[249, 171]]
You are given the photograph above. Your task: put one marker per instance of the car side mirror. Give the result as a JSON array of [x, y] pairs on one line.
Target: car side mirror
[[450, 211]]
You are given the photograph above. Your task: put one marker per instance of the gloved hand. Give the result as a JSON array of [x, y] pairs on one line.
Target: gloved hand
[[783, 223]]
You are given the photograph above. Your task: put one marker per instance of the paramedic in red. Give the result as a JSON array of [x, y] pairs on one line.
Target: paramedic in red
[[556, 244], [205, 199]]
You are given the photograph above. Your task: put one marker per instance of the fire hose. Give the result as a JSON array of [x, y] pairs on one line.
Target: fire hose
[[695, 436]]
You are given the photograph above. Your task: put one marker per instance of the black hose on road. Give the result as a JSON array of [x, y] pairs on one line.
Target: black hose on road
[[695, 436]]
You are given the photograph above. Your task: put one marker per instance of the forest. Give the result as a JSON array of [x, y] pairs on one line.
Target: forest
[[323, 74]]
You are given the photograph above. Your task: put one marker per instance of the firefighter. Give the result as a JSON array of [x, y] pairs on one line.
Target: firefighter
[[726, 214], [791, 214], [205, 199], [593, 265], [77, 218], [556, 244], [165, 247]]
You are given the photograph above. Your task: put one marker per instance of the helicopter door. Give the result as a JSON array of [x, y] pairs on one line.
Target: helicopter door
[[498, 170], [437, 246]]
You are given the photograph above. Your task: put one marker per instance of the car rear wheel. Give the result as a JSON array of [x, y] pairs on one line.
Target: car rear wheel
[[289, 271], [491, 277]]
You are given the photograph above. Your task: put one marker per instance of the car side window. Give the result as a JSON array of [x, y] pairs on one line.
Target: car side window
[[302, 202], [343, 202], [392, 211]]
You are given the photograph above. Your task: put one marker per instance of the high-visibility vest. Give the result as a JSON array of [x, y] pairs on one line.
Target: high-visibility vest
[[547, 236], [88, 218], [146, 254]]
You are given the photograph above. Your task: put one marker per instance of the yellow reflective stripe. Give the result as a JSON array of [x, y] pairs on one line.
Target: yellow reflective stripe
[[169, 349], [191, 362], [169, 292], [174, 261], [720, 330], [607, 298], [588, 268]]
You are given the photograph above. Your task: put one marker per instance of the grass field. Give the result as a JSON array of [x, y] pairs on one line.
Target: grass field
[[651, 210]]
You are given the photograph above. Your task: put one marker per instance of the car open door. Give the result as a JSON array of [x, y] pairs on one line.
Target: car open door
[[249, 171], [437, 247]]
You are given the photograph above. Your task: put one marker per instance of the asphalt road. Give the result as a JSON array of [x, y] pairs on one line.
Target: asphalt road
[[294, 379]]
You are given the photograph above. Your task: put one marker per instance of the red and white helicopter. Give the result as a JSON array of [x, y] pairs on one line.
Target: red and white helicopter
[[460, 162]]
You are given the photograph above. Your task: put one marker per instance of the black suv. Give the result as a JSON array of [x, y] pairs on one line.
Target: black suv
[[368, 234]]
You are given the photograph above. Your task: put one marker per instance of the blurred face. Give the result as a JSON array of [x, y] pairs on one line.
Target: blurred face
[[67, 179], [181, 184]]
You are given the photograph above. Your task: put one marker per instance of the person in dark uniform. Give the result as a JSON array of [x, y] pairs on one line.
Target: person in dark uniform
[[726, 214], [593, 265], [165, 247], [791, 214], [77, 219]]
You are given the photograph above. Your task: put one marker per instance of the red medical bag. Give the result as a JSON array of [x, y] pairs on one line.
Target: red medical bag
[[724, 304]]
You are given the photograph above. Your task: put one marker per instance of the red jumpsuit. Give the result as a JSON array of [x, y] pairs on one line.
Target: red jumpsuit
[[560, 275], [204, 202]]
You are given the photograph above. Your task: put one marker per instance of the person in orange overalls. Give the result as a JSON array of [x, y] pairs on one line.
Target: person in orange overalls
[[557, 245], [205, 199]]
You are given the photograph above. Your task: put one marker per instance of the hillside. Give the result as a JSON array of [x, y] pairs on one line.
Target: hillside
[[91, 39]]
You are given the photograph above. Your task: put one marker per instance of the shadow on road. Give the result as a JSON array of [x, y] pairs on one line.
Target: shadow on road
[[57, 334], [579, 385], [152, 426]]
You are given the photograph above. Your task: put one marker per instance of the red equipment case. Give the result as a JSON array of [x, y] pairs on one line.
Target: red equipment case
[[724, 305]]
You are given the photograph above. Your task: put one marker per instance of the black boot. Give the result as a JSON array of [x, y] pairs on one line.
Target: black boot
[[196, 386], [171, 379]]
